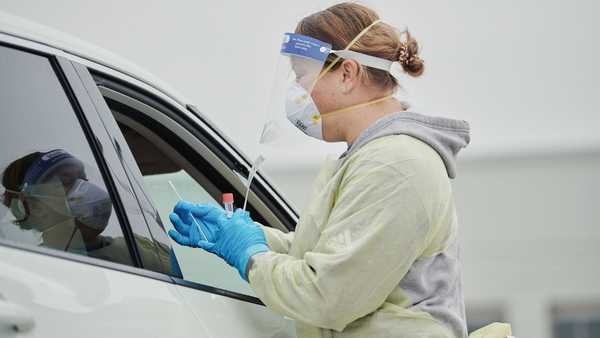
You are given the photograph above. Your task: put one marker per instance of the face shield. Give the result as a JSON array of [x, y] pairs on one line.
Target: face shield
[[56, 190], [43, 205], [304, 61], [40, 206], [301, 63]]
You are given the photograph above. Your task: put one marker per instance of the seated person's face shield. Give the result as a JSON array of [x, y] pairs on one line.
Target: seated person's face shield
[[55, 190], [304, 61], [39, 205]]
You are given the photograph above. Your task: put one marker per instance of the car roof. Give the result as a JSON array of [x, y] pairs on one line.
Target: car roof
[[29, 30]]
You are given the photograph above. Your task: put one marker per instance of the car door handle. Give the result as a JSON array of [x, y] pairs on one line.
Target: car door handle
[[15, 316]]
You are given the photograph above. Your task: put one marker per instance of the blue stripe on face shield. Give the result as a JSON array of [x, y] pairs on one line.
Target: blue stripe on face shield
[[305, 46]]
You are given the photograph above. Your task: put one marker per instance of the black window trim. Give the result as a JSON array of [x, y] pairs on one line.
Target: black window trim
[[67, 76], [260, 184], [127, 178], [218, 291]]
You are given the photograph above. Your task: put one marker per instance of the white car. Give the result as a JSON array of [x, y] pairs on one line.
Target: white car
[[71, 115]]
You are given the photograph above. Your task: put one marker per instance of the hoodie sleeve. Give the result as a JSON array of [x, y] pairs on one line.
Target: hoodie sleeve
[[376, 230]]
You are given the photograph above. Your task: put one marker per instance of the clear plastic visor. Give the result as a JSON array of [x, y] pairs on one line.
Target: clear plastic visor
[[300, 64]]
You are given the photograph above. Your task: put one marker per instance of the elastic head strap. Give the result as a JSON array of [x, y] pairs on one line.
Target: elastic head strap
[[356, 38], [363, 32], [19, 196], [394, 68], [365, 59], [328, 68]]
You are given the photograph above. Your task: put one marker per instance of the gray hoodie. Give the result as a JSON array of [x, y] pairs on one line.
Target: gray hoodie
[[433, 284], [446, 136], [375, 252]]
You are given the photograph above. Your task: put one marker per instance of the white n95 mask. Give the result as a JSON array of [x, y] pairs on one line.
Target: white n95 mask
[[89, 204], [302, 111], [304, 61]]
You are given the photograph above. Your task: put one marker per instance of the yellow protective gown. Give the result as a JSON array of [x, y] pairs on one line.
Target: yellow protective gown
[[374, 254]]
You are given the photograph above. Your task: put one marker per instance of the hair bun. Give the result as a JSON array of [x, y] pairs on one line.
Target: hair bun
[[408, 56]]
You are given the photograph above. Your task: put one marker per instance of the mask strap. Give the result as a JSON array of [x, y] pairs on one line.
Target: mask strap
[[316, 118], [360, 105], [13, 191], [20, 197], [356, 38], [75, 228]]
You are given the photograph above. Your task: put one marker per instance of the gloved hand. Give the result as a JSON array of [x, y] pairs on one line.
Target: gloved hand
[[234, 239], [190, 230]]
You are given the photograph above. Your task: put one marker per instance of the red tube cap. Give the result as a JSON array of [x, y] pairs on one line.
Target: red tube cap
[[228, 198]]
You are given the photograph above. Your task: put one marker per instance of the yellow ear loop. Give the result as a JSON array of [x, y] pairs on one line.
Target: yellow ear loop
[[356, 106], [356, 38], [316, 118]]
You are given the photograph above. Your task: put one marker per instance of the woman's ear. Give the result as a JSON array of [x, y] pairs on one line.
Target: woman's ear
[[351, 74]]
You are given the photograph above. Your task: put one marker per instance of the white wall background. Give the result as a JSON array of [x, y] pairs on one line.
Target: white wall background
[[523, 73]]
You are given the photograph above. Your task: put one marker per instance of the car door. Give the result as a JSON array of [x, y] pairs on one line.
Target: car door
[[171, 154], [65, 272]]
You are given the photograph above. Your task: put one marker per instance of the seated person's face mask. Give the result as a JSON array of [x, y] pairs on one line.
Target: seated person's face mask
[[90, 205]]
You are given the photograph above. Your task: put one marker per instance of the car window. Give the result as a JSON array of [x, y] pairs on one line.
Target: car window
[[196, 265], [170, 172], [53, 194]]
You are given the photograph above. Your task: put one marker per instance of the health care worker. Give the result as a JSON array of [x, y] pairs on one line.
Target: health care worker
[[375, 253]]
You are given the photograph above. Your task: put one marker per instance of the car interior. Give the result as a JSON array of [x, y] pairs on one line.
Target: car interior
[[173, 169]]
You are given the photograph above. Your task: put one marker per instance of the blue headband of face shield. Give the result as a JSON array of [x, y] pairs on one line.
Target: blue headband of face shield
[[41, 182], [310, 48], [46, 165], [305, 46]]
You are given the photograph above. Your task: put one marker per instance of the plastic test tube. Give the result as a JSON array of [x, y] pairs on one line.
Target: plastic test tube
[[228, 204]]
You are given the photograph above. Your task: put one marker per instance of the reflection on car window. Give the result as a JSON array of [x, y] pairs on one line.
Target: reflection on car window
[[53, 194]]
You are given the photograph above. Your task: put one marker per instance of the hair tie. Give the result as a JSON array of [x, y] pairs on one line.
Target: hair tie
[[403, 56]]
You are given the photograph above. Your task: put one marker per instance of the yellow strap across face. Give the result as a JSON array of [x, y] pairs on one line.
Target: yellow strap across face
[[316, 118], [356, 38], [356, 106]]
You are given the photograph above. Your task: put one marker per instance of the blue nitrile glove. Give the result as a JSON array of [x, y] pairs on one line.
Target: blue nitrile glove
[[234, 239], [188, 233]]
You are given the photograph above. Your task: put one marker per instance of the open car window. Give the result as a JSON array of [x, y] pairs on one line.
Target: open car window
[[174, 167]]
